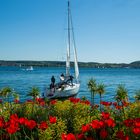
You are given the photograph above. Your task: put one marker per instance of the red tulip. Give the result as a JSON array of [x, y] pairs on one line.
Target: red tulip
[[43, 125], [85, 128], [30, 124], [52, 119]]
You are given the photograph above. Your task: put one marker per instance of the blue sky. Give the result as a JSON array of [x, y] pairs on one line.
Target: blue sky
[[105, 30]]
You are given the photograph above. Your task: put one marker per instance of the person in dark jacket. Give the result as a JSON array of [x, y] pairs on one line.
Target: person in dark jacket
[[70, 80], [52, 82]]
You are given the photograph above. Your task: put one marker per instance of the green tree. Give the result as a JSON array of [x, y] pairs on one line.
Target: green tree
[[121, 97], [122, 94], [100, 91], [137, 95], [34, 92], [92, 86], [5, 92]]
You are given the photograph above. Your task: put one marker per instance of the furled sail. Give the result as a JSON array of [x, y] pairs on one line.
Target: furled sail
[[68, 62], [76, 63]]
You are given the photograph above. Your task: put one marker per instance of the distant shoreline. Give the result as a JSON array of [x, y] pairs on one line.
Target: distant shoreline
[[135, 64]]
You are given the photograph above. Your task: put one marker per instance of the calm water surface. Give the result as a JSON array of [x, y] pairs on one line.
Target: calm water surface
[[22, 80]]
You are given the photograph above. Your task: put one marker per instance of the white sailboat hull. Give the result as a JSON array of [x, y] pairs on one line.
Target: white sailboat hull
[[67, 91]]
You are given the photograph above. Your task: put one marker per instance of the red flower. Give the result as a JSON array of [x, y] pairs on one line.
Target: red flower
[[128, 122], [70, 136], [22, 120], [13, 128], [6, 125], [110, 122], [105, 115], [12, 125], [39, 99], [16, 101], [95, 124], [126, 138], [85, 128], [106, 103], [30, 124], [43, 126], [136, 131], [115, 103], [85, 102], [80, 136], [52, 119], [74, 100], [2, 122], [124, 103], [120, 134], [137, 122], [42, 103], [14, 117], [118, 107], [103, 134], [53, 102], [64, 136], [102, 124]]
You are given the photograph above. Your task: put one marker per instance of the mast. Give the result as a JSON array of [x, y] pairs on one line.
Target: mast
[[75, 53], [68, 47], [71, 36]]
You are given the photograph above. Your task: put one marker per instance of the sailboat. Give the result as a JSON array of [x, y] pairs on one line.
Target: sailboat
[[69, 85], [30, 68]]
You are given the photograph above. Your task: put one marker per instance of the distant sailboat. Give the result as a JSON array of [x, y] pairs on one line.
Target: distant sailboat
[[67, 88], [30, 68]]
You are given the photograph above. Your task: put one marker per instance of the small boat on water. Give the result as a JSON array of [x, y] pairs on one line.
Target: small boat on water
[[30, 68], [69, 85]]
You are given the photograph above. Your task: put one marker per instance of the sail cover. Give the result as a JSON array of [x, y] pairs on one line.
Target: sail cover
[[76, 63], [68, 61]]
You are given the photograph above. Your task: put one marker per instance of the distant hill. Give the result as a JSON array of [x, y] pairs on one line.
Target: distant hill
[[135, 64]]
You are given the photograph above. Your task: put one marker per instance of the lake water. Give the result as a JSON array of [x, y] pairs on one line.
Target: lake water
[[22, 80]]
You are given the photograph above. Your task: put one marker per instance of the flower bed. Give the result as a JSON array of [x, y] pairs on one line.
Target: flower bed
[[72, 119]]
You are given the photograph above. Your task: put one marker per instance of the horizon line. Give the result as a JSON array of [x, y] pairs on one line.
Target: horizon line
[[78, 62]]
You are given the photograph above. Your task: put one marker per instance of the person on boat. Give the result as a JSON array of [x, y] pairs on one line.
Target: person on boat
[[70, 80], [62, 81], [52, 85], [53, 81], [52, 88], [62, 78]]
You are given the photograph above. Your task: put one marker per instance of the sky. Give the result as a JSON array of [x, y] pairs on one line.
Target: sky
[[106, 31]]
